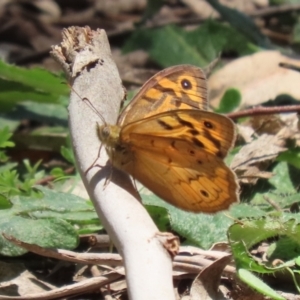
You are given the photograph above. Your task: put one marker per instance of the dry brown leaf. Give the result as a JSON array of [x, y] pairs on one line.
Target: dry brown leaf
[[291, 122], [206, 284], [204, 10], [287, 124], [112, 8], [245, 133], [258, 77], [253, 158], [51, 11], [16, 280]]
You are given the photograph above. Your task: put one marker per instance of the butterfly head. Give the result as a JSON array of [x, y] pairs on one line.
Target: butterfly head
[[108, 134]]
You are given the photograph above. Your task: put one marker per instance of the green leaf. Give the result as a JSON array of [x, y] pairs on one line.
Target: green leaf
[[292, 156], [297, 261], [285, 179], [52, 220], [230, 101], [4, 202], [285, 248], [191, 226], [171, 45], [12, 93], [160, 216], [57, 172], [46, 139], [5, 135], [36, 78], [242, 23], [152, 8], [49, 233], [52, 114], [167, 46], [212, 38], [258, 284], [296, 32], [9, 182], [68, 154], [244, 235]]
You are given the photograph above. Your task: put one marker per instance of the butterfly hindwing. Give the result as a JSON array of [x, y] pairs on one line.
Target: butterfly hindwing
[[207, 131], [197, 181], [182, 168]]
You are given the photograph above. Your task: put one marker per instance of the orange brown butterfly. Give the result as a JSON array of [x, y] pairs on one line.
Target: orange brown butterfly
[[168, 141]]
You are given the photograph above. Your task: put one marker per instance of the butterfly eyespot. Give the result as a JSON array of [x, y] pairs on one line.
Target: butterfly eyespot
[[208, 125], [204, 193], [186, 84]]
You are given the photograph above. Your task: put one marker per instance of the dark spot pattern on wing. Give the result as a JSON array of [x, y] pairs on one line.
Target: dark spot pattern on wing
[[186, 84], [208, 125], [194, 132], [192, 152], [163, 89], [198, 143], [204, 193], [181, 92], [216, 142], [184, 122], [165, 125], [149, 99]]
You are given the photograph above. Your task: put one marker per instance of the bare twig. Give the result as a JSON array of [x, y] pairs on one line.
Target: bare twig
[[257, 111], [73, 289], [51, 178], [272, 10]]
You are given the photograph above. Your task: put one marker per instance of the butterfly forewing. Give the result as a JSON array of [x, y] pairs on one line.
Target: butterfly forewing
[[180, 87]]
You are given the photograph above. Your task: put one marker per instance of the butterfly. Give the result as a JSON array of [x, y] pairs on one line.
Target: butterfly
[[168, 141]]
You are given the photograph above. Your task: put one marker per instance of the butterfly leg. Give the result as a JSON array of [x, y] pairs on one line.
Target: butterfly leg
[[109, 178], [135, 187], [93, 165]]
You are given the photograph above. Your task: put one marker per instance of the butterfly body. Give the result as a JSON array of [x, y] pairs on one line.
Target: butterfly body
[[176, 153]]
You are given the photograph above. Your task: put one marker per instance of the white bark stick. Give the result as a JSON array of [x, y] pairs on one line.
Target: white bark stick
[[85, 56]]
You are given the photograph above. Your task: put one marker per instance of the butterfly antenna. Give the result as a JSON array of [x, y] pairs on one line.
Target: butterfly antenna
[[208, 69], [90, 104]]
